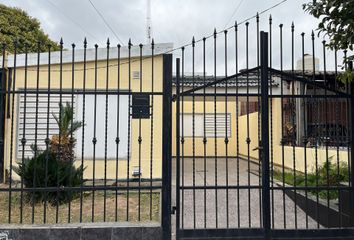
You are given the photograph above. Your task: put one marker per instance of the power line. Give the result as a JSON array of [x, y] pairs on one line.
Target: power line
[[71, 19], [107, 24], [185, 45], [233, 13]]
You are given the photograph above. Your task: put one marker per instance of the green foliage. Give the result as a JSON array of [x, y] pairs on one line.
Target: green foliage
[[59, 173], [17, 25], [337, 21], [54, 167], [347, 76], [327, 174], [65, 121], [63, 143]]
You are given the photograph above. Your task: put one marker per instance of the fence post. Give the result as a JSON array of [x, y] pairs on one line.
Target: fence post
[[352, 143], [265, 135], [177, 147], [166, 146]]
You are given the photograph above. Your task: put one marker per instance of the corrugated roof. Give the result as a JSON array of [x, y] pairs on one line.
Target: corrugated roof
[[251, 80]]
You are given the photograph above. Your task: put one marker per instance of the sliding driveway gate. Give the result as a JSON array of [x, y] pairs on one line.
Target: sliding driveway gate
[[263, 153]]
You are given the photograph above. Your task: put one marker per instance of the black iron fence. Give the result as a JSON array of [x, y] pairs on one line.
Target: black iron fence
[[263, 147], [84, 135]]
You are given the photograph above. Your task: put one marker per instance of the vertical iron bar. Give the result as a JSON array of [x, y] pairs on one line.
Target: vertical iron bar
[[282, 124], [305, 139], [271, 116], [294, 105], [47, 139], [237, 130], [265, 135], [215, 137], [106, 134], [36, 135], [182, 138], [12, 130], [129, 125], [226, 141], [94, 139], [71, 143], [152, 125], [317, 129], [178, 166], [352, 143], [83, 129], [118, 132], [327, 136], [2, 109], [339, 139], [248, 140], [348, 108], [60, 122], [259, 120], [140, 138], [166, 146], [193, 132], [23, 140], [204, 134]]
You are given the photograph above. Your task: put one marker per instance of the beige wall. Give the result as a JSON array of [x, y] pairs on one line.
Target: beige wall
[[291, 154], [112, 84]]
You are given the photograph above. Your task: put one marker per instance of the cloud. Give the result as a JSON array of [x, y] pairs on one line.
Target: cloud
[[175, 21]]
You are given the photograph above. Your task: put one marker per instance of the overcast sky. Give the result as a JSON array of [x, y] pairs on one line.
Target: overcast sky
[[175, 21]]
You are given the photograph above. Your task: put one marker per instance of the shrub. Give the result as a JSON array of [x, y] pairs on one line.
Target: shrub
[[47, 170], [54, 167], [336, 175]]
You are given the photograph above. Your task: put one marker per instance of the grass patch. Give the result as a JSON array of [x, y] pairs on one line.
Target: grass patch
[[75, 208], [327, 174]]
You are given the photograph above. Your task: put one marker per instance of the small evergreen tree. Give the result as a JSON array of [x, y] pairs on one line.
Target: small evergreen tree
[[54, 167]]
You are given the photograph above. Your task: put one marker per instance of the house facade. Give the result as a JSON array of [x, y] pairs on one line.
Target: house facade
[[89, 82], [127, 146]]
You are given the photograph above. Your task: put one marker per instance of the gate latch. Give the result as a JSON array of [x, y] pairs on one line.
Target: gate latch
[[174, 209]]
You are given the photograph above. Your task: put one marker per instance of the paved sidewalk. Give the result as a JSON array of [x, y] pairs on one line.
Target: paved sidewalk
[[245, 214]]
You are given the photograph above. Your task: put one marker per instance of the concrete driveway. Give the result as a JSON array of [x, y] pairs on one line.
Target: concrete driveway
[[211, 209]]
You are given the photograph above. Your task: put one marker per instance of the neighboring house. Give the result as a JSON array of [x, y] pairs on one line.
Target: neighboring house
[[241, 111], [150, 157], [290, 119]]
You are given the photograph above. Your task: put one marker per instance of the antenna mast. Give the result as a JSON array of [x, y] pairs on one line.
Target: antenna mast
[[148, 21]]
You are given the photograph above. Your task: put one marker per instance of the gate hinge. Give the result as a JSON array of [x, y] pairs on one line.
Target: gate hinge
[[174, 209]]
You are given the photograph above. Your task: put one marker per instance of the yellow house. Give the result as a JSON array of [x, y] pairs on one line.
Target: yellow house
[[88, 80], [90, 83], [199, 116]]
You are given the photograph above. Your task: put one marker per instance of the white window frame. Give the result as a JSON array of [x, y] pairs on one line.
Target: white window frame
[[199, 125]]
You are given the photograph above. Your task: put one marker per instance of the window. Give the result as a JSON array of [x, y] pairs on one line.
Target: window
[[42, 119], [210, 118], [89, 123], [252, 107]]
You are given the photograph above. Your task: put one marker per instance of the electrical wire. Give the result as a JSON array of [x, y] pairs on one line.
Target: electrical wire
[[234, 12], [104, 20], [182, 46], [71, 19]]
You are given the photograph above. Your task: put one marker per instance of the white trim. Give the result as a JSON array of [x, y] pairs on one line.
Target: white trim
[[90, 55]]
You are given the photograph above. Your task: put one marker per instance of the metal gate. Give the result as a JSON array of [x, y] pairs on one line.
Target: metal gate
[[263, 153]]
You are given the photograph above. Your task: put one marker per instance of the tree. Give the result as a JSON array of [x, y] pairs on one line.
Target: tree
[[336, 22], [17, 25], [54, 167], [63, 143]]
